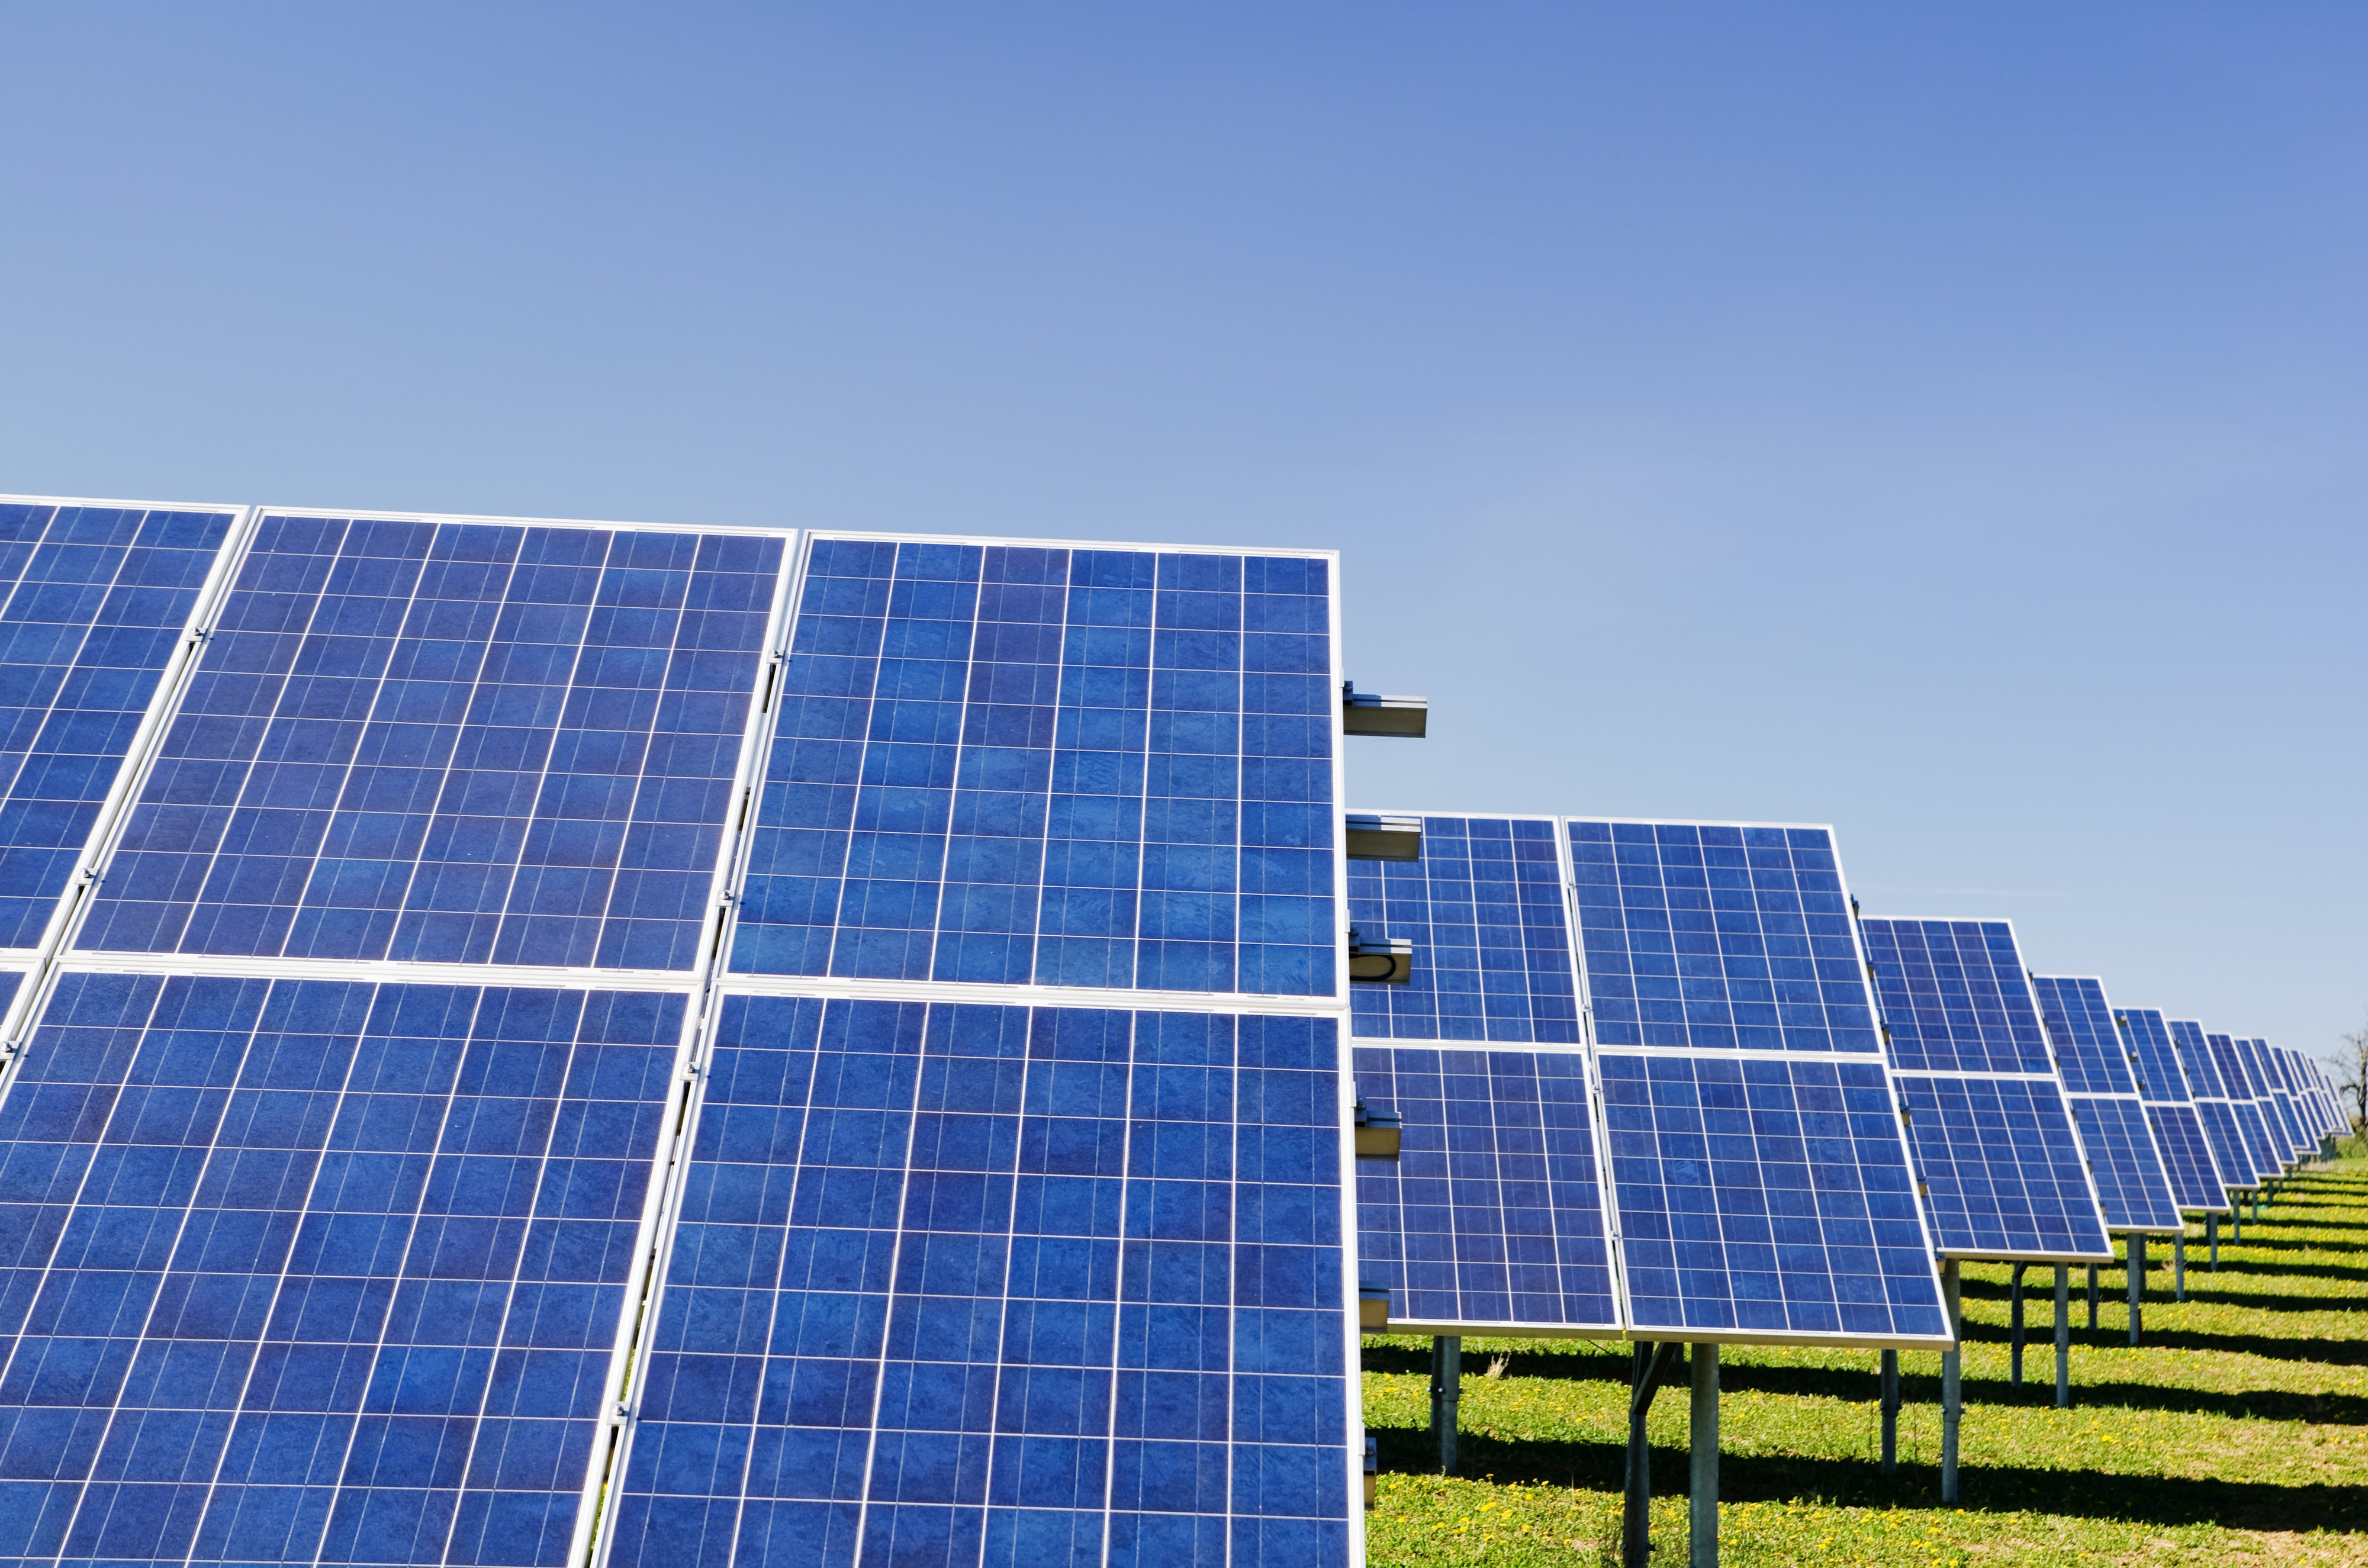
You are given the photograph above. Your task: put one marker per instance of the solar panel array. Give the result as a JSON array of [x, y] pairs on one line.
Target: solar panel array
[[1761, 1184], [2261, 1149], [334, 1151], [2002, 1170], [2224, 1129], [2171, 1112], [2277, 1103], [2132, 1183], [1492, 1217]]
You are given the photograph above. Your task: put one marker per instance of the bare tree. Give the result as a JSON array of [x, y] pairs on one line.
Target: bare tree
[[2352, 1076]]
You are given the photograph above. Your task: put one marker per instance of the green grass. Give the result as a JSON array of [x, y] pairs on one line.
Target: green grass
[[2238, 1433]]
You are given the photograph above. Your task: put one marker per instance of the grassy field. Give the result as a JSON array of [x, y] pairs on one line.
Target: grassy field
[[2238, 1433]]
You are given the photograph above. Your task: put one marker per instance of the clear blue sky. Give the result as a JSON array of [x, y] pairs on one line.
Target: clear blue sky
[[1944, 422]]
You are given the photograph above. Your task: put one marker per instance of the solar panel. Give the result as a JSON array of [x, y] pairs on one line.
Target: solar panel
[[451, 742], [2132, 1182], [2171, 1113], [1766, 1196], [2309, 1091], [1761, 1184], [2260, 1154], [1718, 936], [318, 1270], [1047, 1283], [1492, 1217], [1100, 768], [96, 604], [2002, 1171], [2277, 1103], [1484, 907]]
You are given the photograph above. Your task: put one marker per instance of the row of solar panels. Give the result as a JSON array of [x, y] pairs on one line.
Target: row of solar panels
[[2032, 1118], [536, 1042]]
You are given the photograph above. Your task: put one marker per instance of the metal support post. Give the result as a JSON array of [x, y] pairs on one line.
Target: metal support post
[[1701, 1506], [1951, 1383], [1645, 1381], [2063, 1337], [1446, 1387], [1891, 1412], [2014, 1326], [2236, 1223], [2211, 1235], [2137, 1279], [2179, 1266], [2093, 1294]]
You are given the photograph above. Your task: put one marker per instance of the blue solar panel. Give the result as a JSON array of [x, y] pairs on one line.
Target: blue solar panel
[[2003, 1173], [318, 1270], [2277, 1103], [1049, 1285], [1766, 1196], [2096, 1064], [2088, 1049], [1492, 1215], [1483, 908], [2195, 1178], [2179, 1130], [93, 603], [2130, 1182], [2231, 1154], [455, 741], [1094, 767], [2147, 1035], [2268, 1158], [1718, 936], [2195, 1060], [1954, 996]]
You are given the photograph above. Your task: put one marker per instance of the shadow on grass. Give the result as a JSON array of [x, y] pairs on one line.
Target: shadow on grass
[[1753, 1478], [1855, 1386]]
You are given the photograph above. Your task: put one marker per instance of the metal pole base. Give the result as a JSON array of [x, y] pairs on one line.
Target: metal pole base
[[1952, 1384], [2063, 1337], [2136, 1271], [1446, 1390], [2212, 1237], [1891, 1412], [2092, 1295], [1701, 1506], [2014, 1326], [2179, 1267]]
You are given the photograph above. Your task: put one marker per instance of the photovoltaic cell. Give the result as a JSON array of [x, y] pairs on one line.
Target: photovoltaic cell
[[1492, 1215], [453, 741], [1492, 956], [2003, 1171], [1953, 996], [1766, 1196], [316, 1271], [1718, 936], [94, 602], [1092, 768], [1045, 1285]]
